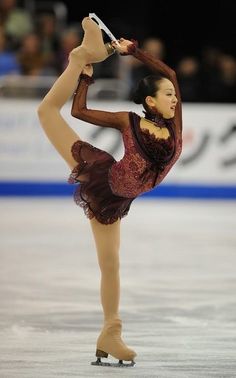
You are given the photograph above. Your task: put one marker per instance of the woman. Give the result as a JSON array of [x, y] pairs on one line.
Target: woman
[[107, 188]]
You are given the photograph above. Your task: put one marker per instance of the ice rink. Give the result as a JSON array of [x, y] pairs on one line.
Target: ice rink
[[178, 282]]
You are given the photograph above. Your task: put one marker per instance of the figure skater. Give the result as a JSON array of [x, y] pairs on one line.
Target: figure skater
[[106, 187]]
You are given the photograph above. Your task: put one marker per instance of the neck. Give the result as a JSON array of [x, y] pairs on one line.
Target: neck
[[156, 118]]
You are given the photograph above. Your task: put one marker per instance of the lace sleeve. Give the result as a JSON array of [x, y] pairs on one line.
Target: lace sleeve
[[117, 120]]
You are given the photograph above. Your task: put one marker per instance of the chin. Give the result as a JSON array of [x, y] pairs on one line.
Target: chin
[[169, 116]]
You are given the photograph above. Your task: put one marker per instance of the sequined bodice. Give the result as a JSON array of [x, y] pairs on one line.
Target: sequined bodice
[[135, 173]]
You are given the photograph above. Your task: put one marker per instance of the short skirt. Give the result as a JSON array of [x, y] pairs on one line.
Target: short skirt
[[94, 193]]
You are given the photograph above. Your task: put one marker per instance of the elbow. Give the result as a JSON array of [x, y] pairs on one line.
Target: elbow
[[45, 110], [173, 74], [77, 113], [41, 110], [74, 113]]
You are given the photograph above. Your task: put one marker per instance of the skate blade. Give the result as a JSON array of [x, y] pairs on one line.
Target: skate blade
[[119, 364], [104, 27]]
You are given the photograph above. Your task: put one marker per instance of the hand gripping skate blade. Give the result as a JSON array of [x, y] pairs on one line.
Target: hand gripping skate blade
[[104, 27], [113, 364]]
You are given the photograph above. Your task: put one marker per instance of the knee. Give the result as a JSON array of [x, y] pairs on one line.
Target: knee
[[42, 111], [109, 263], [47, 114]]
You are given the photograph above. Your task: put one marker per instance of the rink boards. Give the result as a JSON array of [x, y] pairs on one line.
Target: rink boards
[[30, 166]]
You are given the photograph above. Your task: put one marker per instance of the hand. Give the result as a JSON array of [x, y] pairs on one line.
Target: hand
[[123, 47], [88, 70]]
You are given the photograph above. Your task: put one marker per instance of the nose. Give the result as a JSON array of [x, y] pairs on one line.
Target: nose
[[175, 100]]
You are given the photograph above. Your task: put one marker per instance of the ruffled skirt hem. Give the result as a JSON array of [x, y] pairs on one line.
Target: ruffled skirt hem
[[94, 193]]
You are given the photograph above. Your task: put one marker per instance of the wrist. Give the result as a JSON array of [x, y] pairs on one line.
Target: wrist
[[88, 79], [131, 48], [79, 55]]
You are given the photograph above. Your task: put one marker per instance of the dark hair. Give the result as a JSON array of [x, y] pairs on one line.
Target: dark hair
[[148, 86]]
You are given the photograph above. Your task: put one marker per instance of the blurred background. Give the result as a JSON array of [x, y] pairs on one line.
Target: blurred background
[[178, 247], [200, 44]]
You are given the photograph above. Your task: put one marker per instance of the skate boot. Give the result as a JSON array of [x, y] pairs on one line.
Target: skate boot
[[110, 342], [92, 43]]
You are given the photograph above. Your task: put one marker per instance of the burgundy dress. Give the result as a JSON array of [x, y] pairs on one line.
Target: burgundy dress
[[107, 187]]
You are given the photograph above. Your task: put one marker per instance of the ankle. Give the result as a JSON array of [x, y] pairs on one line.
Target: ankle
[[113, 321], [79, 54], [110, 319]]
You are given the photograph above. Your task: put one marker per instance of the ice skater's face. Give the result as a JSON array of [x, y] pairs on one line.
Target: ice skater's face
[[165, 99]]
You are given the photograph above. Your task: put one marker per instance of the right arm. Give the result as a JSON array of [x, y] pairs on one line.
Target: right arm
[[117, 120]]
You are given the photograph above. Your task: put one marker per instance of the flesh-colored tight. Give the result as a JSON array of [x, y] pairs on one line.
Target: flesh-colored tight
[[107, 239], [62, 136]]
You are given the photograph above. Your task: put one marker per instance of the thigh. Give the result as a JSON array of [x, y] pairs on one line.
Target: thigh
[[61, 135], [107, 238]]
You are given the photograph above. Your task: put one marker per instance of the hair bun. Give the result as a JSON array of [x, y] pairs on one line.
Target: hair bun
[[148, 86], [137, 99]]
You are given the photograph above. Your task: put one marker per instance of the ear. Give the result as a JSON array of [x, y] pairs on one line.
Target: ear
[[149, 101]]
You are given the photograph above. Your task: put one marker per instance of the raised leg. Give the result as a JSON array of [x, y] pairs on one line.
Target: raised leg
[[56, 128], [93, 41], [60, 134]]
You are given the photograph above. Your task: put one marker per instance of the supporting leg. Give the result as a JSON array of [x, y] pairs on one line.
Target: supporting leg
[[107, 239]]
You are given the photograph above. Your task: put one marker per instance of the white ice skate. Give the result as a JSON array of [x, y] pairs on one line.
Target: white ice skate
[[103, 27]]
